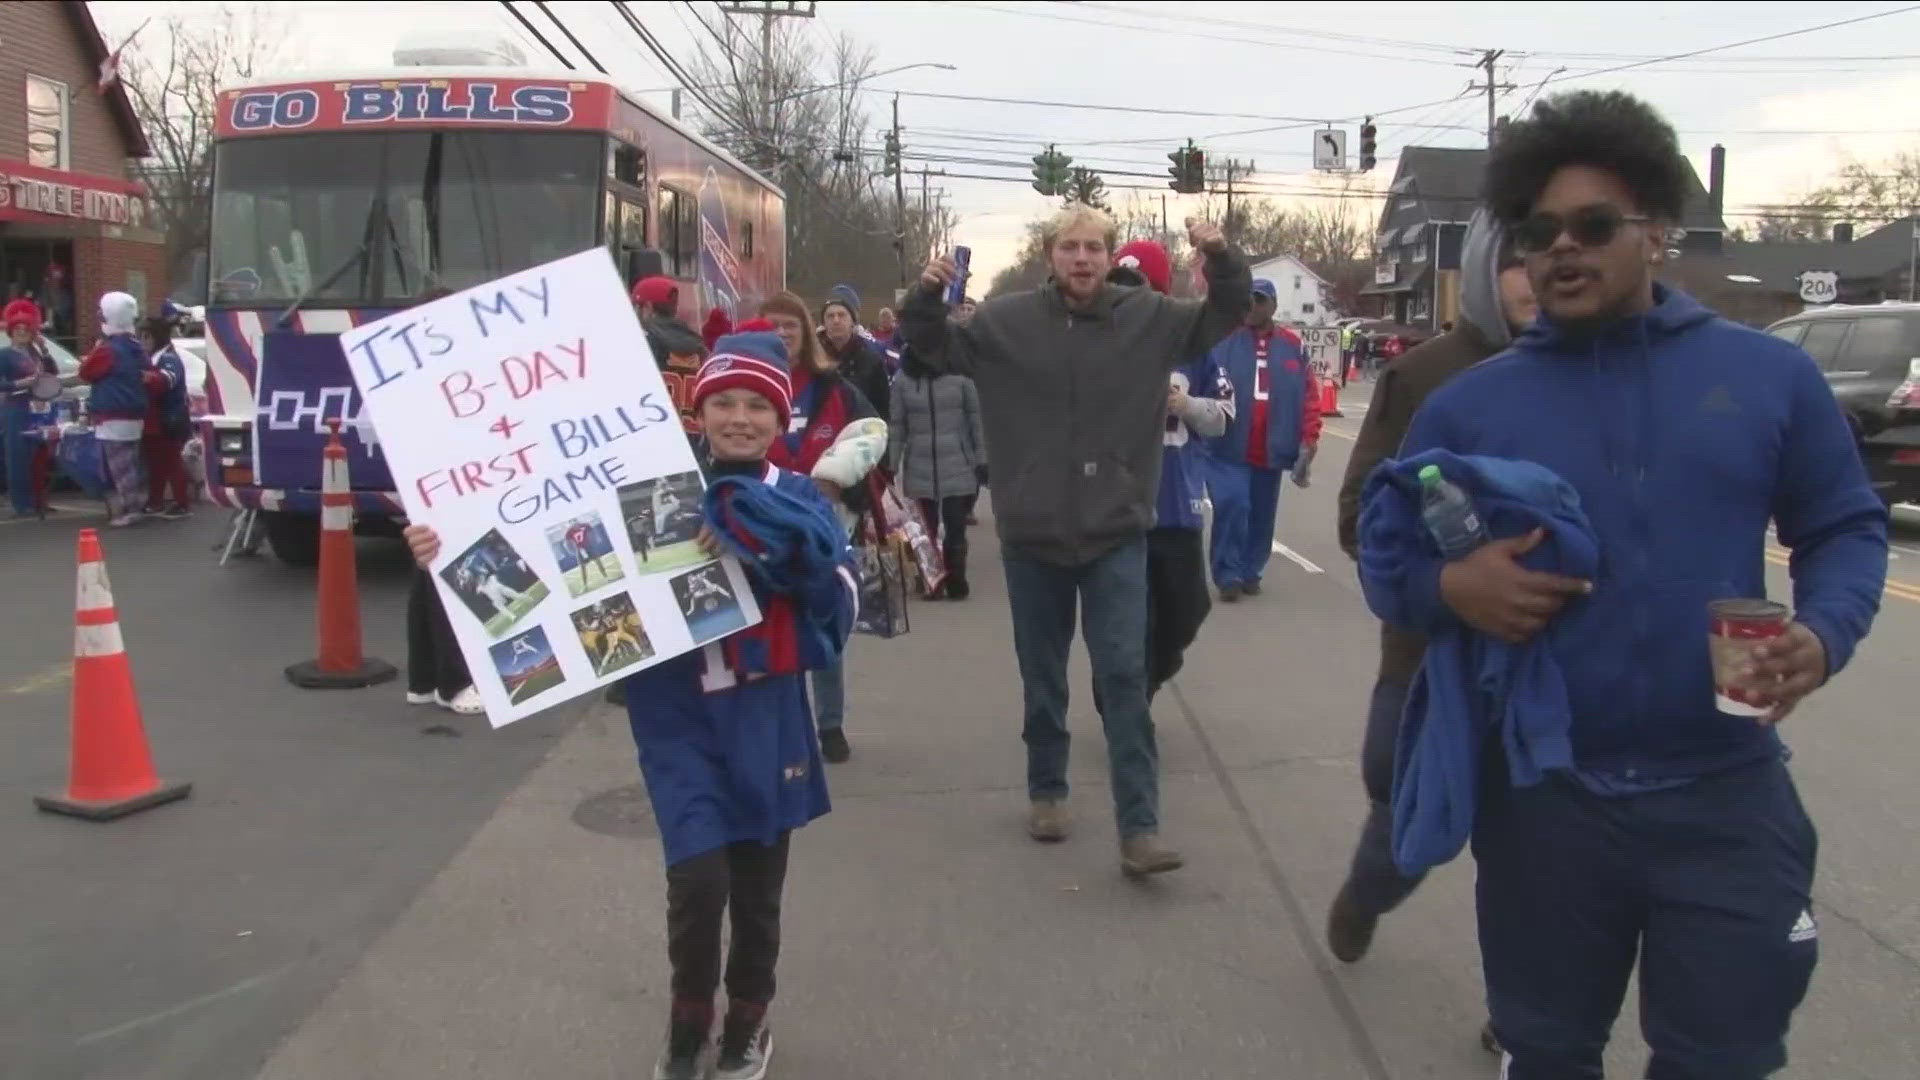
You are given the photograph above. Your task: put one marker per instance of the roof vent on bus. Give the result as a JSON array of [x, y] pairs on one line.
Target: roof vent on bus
[[456, 48]]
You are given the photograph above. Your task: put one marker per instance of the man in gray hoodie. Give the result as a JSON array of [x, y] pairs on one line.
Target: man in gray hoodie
[[1496, 303], [1073, 390]]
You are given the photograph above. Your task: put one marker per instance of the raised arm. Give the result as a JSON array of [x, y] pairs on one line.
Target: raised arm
[[1229, 293], [945, 346]]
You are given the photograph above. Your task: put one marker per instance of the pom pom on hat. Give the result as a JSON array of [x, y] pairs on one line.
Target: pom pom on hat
[[753, 360], [716, 327]]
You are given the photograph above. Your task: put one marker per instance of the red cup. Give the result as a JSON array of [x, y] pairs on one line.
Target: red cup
[[1736, 626]]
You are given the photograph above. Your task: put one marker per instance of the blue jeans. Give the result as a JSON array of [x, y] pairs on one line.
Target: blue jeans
[[1043, 598], [19, 455], [1246, 500], [830, 696]]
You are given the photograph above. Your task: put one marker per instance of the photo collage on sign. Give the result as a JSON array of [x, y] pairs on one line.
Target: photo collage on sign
[[660, 521]]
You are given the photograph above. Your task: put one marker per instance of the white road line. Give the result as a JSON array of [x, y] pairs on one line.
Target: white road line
[[1337, 433], [240, 987], [1282, 549]]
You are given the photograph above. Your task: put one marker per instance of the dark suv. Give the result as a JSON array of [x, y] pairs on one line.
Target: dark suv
[[1871, 357]]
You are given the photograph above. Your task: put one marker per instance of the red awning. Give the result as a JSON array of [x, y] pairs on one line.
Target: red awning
[[31, 193]]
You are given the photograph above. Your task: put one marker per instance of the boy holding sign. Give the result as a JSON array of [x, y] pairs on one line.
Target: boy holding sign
[[725, 735]]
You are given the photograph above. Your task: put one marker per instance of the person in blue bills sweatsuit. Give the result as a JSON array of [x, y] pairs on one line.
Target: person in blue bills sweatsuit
[[725, 735]]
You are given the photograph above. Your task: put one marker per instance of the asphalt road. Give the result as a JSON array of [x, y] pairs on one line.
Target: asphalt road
[[186, 941], [346, 895]]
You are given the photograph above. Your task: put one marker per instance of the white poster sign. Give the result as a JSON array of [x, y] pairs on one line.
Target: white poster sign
[[525, 421]]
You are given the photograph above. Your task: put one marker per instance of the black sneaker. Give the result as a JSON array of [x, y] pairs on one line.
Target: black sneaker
[[684, 1057], [1251, 588], [834, 747], [745, 1049], [1230, 594]]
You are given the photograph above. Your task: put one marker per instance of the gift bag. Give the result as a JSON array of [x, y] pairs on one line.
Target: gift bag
[[904, 520], [882, 566]]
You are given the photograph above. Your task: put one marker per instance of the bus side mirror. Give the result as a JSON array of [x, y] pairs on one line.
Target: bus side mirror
[[644, 263]]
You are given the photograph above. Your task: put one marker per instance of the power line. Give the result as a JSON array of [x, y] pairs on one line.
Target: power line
[[1240, 40], [537, 35], [1735, 45], [542, 5]]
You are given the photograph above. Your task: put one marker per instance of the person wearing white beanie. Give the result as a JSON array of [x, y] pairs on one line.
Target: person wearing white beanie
[[121, 377]]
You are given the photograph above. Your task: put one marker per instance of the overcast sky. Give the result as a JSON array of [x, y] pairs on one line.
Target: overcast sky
[[1788, 110]]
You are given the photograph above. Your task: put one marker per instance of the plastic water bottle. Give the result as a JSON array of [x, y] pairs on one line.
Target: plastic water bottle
[[1449, 515]]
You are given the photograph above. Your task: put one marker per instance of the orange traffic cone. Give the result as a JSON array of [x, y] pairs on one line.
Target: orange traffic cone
[[112, 770], [340, 665], [1329, 398]]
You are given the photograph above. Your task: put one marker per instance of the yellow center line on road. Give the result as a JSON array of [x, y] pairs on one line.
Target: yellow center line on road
[[45, 678], [1900, 589]]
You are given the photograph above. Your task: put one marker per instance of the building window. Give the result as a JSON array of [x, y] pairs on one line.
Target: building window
[[47, 123], [1306, 309], [1420, 251]]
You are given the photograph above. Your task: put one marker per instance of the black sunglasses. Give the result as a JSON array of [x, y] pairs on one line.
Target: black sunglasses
[[1589, 226]]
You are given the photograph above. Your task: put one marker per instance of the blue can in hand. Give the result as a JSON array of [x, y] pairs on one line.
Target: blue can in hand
[[957, 291]]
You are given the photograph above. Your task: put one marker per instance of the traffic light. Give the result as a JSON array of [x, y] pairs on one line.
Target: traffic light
[[1050, 170], [892, 166], [1368, 144], [1189, 170]]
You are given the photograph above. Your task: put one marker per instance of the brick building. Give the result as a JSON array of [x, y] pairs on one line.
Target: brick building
[[73, 224]]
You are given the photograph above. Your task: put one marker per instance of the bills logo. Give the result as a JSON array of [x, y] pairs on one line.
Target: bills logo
[[264, 110], [475, 102]]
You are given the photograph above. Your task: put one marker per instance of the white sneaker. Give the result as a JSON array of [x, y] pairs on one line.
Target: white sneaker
[[428, 698], [467, 703]]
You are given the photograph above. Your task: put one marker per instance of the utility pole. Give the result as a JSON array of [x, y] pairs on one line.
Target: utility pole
[[768, 12], [1230, 227], [899, 201], [1493, 87], [1164, 230]]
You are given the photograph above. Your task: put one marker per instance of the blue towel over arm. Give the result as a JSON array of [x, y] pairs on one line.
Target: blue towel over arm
[[1469, 685]]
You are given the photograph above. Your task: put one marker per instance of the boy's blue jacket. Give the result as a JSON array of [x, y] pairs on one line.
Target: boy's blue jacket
[[728, 751], [1471, 685], [1685, 436]]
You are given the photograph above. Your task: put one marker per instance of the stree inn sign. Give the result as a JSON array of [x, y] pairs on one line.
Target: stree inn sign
[[26, 190]]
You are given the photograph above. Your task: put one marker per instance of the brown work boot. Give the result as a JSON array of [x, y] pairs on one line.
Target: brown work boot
[[1145, 854], [1047, 820], [1349, 929]]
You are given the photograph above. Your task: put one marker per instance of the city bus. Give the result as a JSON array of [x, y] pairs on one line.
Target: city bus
[[338, 199]]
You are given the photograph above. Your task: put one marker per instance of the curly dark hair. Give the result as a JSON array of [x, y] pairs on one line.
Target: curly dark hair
[[1608, 130]]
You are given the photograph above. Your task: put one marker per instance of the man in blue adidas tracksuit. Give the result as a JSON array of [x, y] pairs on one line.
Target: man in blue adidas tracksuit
[[1276, 427], [1676, 838]]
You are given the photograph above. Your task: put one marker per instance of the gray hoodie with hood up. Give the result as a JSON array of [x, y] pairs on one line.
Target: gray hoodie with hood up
[[1404, 384]]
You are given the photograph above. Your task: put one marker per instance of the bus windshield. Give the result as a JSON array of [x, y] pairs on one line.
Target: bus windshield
[[391, 216]]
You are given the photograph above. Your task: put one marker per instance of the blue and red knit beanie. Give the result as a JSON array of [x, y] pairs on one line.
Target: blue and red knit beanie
[[756, 361]]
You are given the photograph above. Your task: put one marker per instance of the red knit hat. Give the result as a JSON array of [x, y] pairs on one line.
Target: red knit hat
[[22, 312], [756, 361], [1149, 260], [716, 327], [656, 291]]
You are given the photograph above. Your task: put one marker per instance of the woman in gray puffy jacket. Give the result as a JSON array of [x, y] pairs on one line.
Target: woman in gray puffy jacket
[[938, 452]]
